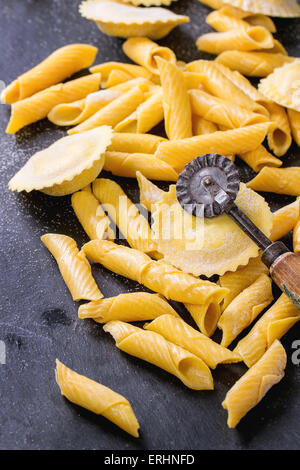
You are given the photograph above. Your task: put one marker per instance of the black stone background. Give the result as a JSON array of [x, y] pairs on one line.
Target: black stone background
[[38, 319]]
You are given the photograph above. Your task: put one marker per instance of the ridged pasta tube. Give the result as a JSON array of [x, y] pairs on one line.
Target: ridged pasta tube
[[222, 112], [179, 332], [250, 389], [91, 215], [279, 135], [136, 306], [38, 106], [294, 120], [157, 276], [176, 101], [277, 180], [254, 38], [113, 112], [243, 310], [274, 324], [201, 126], [154, 348], [215, 4], [259, 158], [240, 279], [143, 51], [113, 73], [253, 64], [284, 220], [73, 265], [97, 398], [180, 152], [296, 238], [134, 143], [125, 215], [127, 164], [58, 66], [222, 22]]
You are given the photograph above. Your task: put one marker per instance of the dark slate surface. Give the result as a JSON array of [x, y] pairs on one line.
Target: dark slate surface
[[38, 318]]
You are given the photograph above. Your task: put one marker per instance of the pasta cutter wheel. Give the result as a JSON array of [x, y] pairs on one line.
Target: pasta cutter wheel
[[208, 186]]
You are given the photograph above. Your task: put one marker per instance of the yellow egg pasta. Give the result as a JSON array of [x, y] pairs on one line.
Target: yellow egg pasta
[[294, 120], [243, 310], [113, 112], [119, 19], [180, 152], [222, 112], [73, 265], [240, 279], [150, 194], [201, 126], [143, 51], [277, 180], [91, 216], [112, 72], [127, 164], [254, 38], [253, 64], [274, 324], [176, 101], [136, 306], [134, 143], [205, 316], [38, 106], [156, 275], [284, 220], [250, 389], [96, 398], [58, 66], [177, 331], [296, 238], [133, 225], [281, 8], [221, 21], [259, 158], [279, 135], [154, 348], [66, 166], [254, 19], [215, 4]]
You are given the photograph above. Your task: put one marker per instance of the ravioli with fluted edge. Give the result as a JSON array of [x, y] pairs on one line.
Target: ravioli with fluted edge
[[216, 245], [69, 164]]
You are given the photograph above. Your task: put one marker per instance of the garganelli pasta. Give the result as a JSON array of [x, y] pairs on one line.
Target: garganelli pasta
[[294, 120], [279, 136], [157, 276], [136, 306], [134, 143], [174, 329], [143, 51], [284, 220], [244, 308], [277, 180], [296, 238], [73, 265], [259, 158], [154, 348], [205, 316], [112, 73], [97, 398], [38, 106], [271, 326], [58, 66], [250, 389]]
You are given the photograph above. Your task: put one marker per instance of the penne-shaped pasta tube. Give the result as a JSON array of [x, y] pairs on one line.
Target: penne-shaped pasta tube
[[274, 324], [253, 64], [60, 65], [222, 22], [277, 180], [284, 220], [91, 215], [240, 279], [205, 316], [201, 126], [145, 117], [154, 348], [127, 164], [180, 152], [244, 308], [113, 112], [294, 120], [259, 158], [143, 51], [177, 331], [254, 19], [279, 136], [134, 143], [176, 101], [97, 398], [113, 73], [38, 106], [250, 389], [157, 276], [73, 265], [296, 238], [136, 306], [222, 112], [215, 4], [125, 215], [254, 38]]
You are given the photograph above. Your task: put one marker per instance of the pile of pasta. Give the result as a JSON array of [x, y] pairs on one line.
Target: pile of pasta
[[206, 107]]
